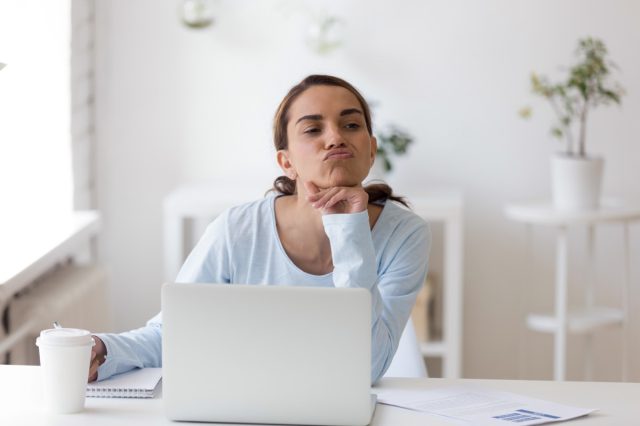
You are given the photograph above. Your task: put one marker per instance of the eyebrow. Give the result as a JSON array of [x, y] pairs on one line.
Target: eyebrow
[[316, 117]]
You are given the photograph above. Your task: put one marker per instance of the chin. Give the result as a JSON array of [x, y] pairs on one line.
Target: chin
[[340, 175]]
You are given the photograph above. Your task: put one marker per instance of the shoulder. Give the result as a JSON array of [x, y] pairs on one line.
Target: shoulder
[[253, 209], [239, 227], [403, 241], [249, 221], [400, 230], [399, 219], [243, 216]]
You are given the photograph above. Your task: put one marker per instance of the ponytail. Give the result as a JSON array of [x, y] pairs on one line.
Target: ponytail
[[284, 186], [380, 192]]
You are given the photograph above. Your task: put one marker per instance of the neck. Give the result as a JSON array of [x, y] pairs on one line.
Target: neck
[[302, 234], [305, 217]]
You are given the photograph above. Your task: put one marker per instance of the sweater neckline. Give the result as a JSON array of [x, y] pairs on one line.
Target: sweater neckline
[[272, 208]]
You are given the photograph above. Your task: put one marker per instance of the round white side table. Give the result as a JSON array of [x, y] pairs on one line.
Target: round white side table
[[591, 317]]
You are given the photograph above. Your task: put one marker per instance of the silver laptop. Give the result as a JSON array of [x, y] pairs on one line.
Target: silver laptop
[[267, 354]]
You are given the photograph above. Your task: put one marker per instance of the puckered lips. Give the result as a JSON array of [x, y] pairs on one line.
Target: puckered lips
[[338, 154]]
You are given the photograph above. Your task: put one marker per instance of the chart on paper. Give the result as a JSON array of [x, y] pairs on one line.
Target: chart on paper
[[479, 406]]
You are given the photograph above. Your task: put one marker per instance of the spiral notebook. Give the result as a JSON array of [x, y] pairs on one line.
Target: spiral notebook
[[139, 383]]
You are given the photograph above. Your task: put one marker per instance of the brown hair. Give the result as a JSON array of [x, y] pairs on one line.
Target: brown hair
[[378, 192]]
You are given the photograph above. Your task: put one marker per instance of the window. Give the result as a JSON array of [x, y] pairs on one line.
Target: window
[[35, 109]]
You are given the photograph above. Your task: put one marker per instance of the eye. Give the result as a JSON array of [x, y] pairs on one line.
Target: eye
[[312, 130], [352, 126]]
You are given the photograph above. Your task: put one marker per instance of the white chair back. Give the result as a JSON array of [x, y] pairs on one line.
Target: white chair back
[[408, 360]]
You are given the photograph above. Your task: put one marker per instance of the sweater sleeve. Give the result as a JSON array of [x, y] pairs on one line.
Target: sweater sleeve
[[393, 288], [208, 262]]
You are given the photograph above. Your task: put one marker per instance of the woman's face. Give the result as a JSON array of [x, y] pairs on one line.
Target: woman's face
[[329, 144]]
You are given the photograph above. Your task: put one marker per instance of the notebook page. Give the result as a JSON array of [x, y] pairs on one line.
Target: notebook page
[[139, 383]]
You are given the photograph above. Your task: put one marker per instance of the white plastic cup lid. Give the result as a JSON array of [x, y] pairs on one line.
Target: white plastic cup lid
[[65, 337]]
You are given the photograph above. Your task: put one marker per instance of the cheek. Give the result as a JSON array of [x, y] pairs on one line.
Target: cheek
[[303, 153]]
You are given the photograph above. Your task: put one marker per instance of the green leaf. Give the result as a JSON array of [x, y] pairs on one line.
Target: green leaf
[[387, 165], [611, 95]]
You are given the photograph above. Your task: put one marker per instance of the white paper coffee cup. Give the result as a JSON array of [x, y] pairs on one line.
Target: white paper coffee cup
[[65, 354]]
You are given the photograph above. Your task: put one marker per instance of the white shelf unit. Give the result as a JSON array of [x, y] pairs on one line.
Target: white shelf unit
[[447, 208], [579, 320], [205, 202], [589, 318]]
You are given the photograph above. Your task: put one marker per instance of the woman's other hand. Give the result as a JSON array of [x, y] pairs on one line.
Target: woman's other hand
[[338, 199], [98, 354]]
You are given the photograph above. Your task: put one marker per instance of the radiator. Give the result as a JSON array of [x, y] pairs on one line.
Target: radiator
[[75, 296]]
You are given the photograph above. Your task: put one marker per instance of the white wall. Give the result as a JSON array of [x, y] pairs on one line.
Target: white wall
[[176, 105]]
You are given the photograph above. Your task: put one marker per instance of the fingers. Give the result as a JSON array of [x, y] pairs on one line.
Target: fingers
[[97, 358], [93, 367], [337, 198], [314, 194], [99, 348], [331, 198], [320, 199], [98, 354], [93, 375], [340, 200]]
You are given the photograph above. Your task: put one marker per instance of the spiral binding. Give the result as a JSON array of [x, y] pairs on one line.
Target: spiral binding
[[119, 393]]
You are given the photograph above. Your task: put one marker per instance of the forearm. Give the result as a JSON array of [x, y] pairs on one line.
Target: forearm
[[393, 288], [353, 255], [354, 263], [133, 349]]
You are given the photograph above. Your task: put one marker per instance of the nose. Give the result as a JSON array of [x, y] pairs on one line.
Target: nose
[[334, 138]]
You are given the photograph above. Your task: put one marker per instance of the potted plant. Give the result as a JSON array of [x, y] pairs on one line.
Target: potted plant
[[576, 177], [391, 143]]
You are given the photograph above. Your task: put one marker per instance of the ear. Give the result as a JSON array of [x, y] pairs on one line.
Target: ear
[[374, 149], [282, 157]]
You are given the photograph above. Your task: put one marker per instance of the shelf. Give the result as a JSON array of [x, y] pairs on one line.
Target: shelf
[[544, 213], [578, 321], [433, 349]]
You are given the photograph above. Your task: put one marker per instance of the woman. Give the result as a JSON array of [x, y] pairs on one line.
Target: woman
[[320, 228]]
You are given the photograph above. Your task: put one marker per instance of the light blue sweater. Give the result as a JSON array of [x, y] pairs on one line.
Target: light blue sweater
[[242, 246]]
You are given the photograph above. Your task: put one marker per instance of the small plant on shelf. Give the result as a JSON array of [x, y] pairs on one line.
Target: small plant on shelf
[[391, 143], [585, 88]]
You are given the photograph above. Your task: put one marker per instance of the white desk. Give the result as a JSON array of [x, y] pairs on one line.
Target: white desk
[[204, 202], [590, 317], [20, 402]]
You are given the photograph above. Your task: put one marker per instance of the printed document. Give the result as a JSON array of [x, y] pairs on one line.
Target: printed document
[[479, 406]]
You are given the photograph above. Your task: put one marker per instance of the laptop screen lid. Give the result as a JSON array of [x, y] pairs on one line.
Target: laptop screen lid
[[266, 354]]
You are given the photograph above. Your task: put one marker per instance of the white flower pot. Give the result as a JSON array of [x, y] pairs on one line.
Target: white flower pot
[[576, 182]]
